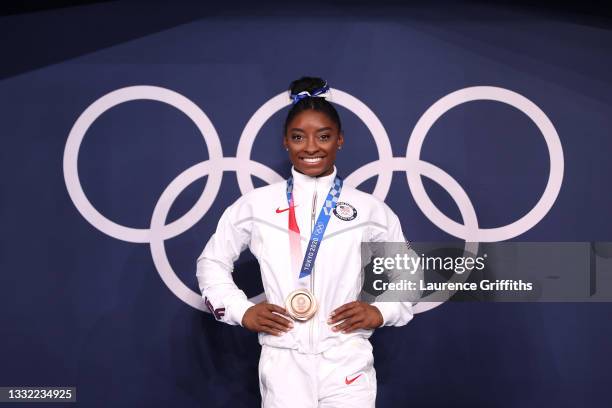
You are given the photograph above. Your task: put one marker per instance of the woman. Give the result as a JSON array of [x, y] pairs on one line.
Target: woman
[[306, 233]]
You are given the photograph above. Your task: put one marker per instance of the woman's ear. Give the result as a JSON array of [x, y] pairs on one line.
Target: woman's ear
[[285, 143], [340, 140]]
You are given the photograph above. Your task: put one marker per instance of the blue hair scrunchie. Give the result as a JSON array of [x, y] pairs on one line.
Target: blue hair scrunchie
[[305, 94]]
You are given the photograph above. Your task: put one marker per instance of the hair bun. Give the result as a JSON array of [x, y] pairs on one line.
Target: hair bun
[[309, 84], [309, 93]]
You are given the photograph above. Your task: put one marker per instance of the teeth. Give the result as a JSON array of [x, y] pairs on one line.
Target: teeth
[[312, 159]]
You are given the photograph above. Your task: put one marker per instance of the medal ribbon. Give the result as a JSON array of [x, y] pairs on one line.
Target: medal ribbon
[[317, 232], [294, 232]]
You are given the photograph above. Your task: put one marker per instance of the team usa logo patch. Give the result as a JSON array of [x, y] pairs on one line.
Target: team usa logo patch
[[218, 313], [345, 211]]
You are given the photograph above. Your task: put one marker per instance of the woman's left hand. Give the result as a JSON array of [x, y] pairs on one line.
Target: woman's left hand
[[356, 315]]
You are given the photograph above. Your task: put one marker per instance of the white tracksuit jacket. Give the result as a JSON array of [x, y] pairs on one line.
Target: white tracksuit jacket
[[257, 221]]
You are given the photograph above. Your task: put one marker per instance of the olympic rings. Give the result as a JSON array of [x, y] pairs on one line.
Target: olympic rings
[[244, 167]]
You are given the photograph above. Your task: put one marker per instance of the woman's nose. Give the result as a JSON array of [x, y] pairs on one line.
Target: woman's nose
[[311, 145]]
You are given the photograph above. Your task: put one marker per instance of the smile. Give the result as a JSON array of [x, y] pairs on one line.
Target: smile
[[311, 160]]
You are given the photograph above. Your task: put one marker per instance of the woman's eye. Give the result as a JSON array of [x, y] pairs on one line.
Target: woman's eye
[[324, 137], [296, 137]]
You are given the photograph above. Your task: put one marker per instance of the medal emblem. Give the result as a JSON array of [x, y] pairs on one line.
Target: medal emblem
[[301, 304]]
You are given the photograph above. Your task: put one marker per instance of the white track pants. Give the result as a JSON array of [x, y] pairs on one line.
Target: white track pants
[[343, 376]]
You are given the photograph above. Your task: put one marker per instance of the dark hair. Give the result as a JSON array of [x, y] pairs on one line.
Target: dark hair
[[317, 103]]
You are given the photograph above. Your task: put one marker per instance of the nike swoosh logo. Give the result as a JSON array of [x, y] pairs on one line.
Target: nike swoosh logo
[[349, 382], [278, 210]]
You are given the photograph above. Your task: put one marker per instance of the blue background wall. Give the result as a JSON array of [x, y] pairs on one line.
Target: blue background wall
[[81, 308]]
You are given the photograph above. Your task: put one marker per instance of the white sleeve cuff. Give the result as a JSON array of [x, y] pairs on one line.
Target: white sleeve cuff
[[394, 313], [235, 311], [387, 310]]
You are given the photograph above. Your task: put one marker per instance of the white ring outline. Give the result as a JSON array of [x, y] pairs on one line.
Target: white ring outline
[[468, 214], [158, 219], [95, 110], [553, 143]]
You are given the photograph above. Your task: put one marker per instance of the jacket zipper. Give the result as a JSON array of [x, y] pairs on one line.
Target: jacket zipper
[[313, 214]]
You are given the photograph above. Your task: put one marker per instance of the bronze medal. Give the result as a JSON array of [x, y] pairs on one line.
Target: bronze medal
[[301, 304]]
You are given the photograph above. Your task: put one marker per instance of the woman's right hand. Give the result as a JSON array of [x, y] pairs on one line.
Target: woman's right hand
[[263, 318]]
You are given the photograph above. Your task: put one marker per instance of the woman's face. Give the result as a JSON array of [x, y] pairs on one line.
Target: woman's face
[[312, 139]]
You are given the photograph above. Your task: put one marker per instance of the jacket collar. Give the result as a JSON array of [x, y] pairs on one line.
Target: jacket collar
[[300, 179]]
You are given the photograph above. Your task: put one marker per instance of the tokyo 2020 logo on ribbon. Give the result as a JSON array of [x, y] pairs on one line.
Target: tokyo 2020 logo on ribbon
[[244, 167]]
